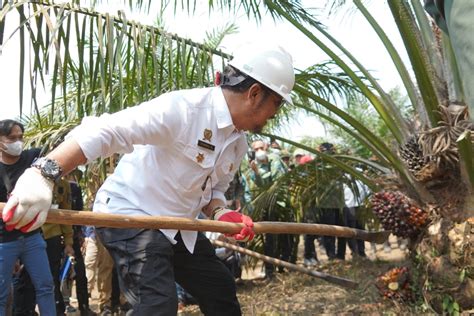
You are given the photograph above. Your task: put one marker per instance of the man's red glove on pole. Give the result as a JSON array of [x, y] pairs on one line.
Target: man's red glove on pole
[[226, 215]]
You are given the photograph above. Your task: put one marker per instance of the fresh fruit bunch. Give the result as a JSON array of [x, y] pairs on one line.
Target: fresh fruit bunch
[[395, 284], [398, 213]]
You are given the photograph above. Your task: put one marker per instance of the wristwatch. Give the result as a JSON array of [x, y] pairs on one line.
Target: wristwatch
[[49, 168]]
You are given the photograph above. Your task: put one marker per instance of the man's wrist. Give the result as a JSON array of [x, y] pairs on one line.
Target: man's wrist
[[216, 210], [49, 168]]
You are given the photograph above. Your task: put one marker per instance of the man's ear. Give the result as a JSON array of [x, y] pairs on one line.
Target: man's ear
[[253, 93]]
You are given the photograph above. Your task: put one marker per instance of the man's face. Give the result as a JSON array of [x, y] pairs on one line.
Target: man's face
[[260, 106], [12, 144], [267, 110], [258, 145], [260, 149], [15, 135], [298, 159]]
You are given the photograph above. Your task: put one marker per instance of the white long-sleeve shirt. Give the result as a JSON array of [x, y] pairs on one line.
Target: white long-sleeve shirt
[[355, 199], [169, 169]]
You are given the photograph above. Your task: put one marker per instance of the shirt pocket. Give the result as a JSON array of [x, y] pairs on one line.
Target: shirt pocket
[[195, 167]]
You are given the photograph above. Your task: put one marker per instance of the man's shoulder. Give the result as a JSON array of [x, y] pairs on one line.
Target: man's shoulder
[[194, 96]]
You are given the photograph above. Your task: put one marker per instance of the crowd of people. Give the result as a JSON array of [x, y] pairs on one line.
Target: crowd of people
[[94, 269], [179, 153]]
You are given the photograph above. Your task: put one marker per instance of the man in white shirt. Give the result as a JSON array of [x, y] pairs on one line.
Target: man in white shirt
[[181, 151], [354, 197]]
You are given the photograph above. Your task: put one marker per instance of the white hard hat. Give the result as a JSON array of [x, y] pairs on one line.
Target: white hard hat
[[299, 152], [270, 65]]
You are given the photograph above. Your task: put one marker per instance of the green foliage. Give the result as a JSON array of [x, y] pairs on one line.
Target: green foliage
[[360, 109], [450, 306]]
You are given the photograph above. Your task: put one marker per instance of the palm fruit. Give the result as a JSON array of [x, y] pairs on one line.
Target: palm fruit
[[398, 213], [395, 284], [412, 155]]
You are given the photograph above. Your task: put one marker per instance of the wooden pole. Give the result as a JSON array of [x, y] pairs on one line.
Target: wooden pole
[[327, 277], [69, 217]]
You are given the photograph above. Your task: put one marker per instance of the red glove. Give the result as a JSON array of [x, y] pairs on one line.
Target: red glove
[[226, 215]]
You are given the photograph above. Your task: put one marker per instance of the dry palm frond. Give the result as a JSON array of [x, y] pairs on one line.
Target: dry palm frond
[[439, 143]]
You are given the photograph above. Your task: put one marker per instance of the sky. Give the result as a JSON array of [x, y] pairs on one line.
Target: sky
[[349, 28]]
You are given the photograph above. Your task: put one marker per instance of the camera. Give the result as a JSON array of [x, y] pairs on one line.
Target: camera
[[251, 155]]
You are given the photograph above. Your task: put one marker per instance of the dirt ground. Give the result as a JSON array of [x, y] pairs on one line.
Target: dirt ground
[[294, 293]]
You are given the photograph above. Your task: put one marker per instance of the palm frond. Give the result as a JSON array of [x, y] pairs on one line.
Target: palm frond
[[151, 53], [431, 89], [214, 37], [324, 80]]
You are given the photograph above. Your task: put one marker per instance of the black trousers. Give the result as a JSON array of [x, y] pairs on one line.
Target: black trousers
[[54, 248], [24, 297], [278, 246], [310, 216], [333, 216], [148, 266], [81, 279], [350, 220]]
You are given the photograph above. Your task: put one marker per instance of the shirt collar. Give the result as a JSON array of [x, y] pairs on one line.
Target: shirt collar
[[221, 110]]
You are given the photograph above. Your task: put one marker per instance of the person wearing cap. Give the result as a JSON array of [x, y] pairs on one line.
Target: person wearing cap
[[301, 156], [330, 207], [181, 150], [310, 254], [264, 170], [286, 158]]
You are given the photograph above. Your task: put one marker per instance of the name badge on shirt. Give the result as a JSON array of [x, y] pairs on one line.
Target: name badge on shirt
[[203, 144]]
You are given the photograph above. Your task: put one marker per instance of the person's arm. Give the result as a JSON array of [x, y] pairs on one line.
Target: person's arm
[[69, 155], [102, 136], [67, 232], [217, 209], [213, 204]]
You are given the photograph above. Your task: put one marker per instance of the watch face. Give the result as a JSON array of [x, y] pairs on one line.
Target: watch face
[[51, 168]]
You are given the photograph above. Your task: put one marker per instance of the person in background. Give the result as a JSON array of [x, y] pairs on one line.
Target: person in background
[[265, 169], [99, 270], [235, 192], [286, 158], [310, 216], [59, 240], [330, 211], [354, 195], [77, 204], [17, 242]]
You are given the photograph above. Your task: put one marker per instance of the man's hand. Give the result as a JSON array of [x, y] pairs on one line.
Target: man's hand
[[254, 166], [69, 251], [29, 203], [226, 215]]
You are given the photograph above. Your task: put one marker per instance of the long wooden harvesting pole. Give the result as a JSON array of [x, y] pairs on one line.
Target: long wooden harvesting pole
[[69, 217]]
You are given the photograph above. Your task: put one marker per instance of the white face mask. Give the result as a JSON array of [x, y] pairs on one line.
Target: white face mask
[[260, 155], [14, 148]]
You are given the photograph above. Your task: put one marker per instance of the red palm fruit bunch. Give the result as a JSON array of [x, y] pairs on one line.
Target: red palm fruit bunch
[[398, 213], [395, 284]]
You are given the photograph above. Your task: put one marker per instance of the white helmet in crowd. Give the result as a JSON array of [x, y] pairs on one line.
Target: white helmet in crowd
[[270, 65]]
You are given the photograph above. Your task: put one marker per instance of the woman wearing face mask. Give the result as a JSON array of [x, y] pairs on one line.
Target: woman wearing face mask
[[15, 244]]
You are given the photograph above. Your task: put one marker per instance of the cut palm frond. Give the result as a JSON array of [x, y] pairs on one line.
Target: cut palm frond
[[439, 143]]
